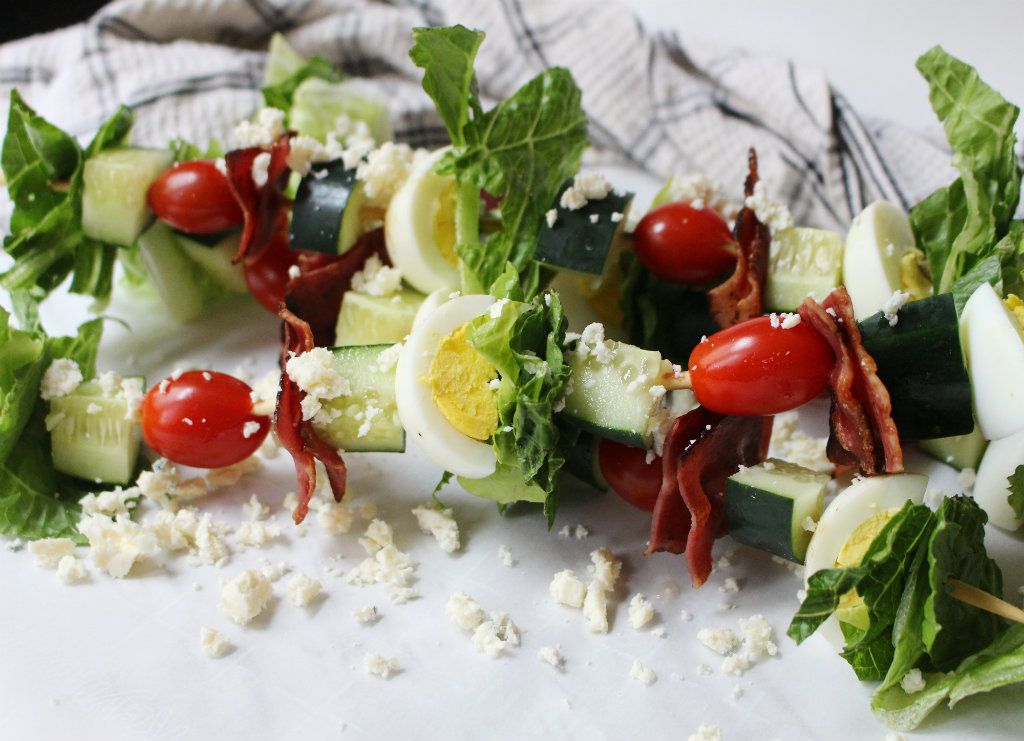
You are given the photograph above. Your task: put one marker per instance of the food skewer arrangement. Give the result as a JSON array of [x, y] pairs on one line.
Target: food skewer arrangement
[[420, 296]]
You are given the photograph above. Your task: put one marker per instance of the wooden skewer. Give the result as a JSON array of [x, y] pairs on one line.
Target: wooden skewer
[[676, 381], [983, 600]]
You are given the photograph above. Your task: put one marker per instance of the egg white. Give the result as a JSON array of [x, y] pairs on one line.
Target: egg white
[[423, 421], [861, 501], [409, 229]]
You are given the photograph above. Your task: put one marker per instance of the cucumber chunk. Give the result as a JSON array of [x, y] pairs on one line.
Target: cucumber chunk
[[94, 436], [282, 61], [582, 240], [959, 451], [921, 363], [318, 103], [173, 274], [768, 506], [614, 399], [325, 215], [217, 260], [115, 183], [802, 261], [368, 320], [368, 416], [583, 461]]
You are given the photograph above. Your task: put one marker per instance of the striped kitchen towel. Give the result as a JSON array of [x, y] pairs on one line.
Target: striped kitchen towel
[[658, 101]]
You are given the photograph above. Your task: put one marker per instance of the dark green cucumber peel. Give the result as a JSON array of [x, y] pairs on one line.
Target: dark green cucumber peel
[[575, 242], [754, 516], [582, 461], [319, 209], [921, 363]]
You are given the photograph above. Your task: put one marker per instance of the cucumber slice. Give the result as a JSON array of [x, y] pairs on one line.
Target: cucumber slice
[[419, 228], [171, 272], [878, 238], [325, 215], [368, 420], [317, 104], [991, 487], [217, 260], [576, 241], [959, 451], [767, 506], [282, 61], [115, 183], [583, 461], [94, 436], [922, 366], [802, 261], [366, 320], [614, 399]]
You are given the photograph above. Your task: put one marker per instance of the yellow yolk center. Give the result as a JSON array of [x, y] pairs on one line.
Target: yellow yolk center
[[460, 386], [444, 224], [852, 609]]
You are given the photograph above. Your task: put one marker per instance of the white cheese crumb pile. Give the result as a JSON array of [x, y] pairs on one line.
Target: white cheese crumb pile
[[742, 650], [376, 278], [441, 524], [568, 589], [213, 642], [586, 186], [245, 596], [491, 634], [769, 212], [641, 611], [48, 552], [303, 590], [61, 378], [71, 570]]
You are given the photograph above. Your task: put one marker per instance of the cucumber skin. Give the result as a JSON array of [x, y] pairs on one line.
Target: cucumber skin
[[920, 361], [751, 514], [320, 209], [576, 244], [583, 461]]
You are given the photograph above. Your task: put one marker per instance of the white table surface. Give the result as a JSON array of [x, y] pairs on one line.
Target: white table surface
[[121, 659]]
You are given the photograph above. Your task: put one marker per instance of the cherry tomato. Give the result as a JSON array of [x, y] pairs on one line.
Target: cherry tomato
[[629, 474], [195, 197], [267, 276], [683, 244], [754, 369], [201, 419]]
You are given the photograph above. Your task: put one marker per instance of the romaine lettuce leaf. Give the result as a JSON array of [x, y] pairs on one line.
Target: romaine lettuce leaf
[[959, 225], [21, 368], [522, 150], [524, 343], [36, 501], [43, 167], [1016, 489]]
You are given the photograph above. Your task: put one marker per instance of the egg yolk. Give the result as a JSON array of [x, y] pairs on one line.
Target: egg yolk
[[444, 224], [852, 609], [913, 279], [1016, 307], [460, 386]]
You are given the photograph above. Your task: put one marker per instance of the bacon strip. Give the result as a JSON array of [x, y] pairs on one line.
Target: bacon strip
[[741, 296], [315, 295], [265, 207], [863, 433], [702, 450], [297, 436]]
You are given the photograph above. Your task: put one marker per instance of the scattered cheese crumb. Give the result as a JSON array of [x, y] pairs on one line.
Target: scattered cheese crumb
[[464, 611], [641, 611], [892, 306], [581, 532], [245, 596], [378, 665], [303, 590], [250, 428], [334, 518], [790, 320], [568, 589], [595, 608], [551, 216], [789, 443], [71, 570], [769, 212], [376, 278], [720, 640], [685, 615], [261, 169], [441, 524], [117, 545], [48, 552], [367, 615], [642, 674], [213, 643], [730, 586], [551, 656], [384, 171], [809, 524], [606, 568], [706, 732], [61, 378], [493, 635], [912, 682], [314, 373], [586, 186], [505, 556], [255, 510], [267, 128]]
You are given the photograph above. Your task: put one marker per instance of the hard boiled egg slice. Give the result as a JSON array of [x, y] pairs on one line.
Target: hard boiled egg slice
[[991, 487], [443, 389], [419, 228], [994, 344], [849, 524], [878, 238]]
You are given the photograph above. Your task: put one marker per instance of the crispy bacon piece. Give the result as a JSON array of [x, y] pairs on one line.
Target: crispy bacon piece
[[741, 296], [265, 207], [702, 450], [297, 436], [315, 295], [863, 433]]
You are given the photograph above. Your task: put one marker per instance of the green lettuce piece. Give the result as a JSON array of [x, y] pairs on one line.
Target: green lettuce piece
[[36, 501], [952, 629], [523, 341], [959, 225], [523, 149], [43, 167], [1016, 489], [824, 590], [286, 69], [505, 486], [999, 664], [21, 368], [907, 639]]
